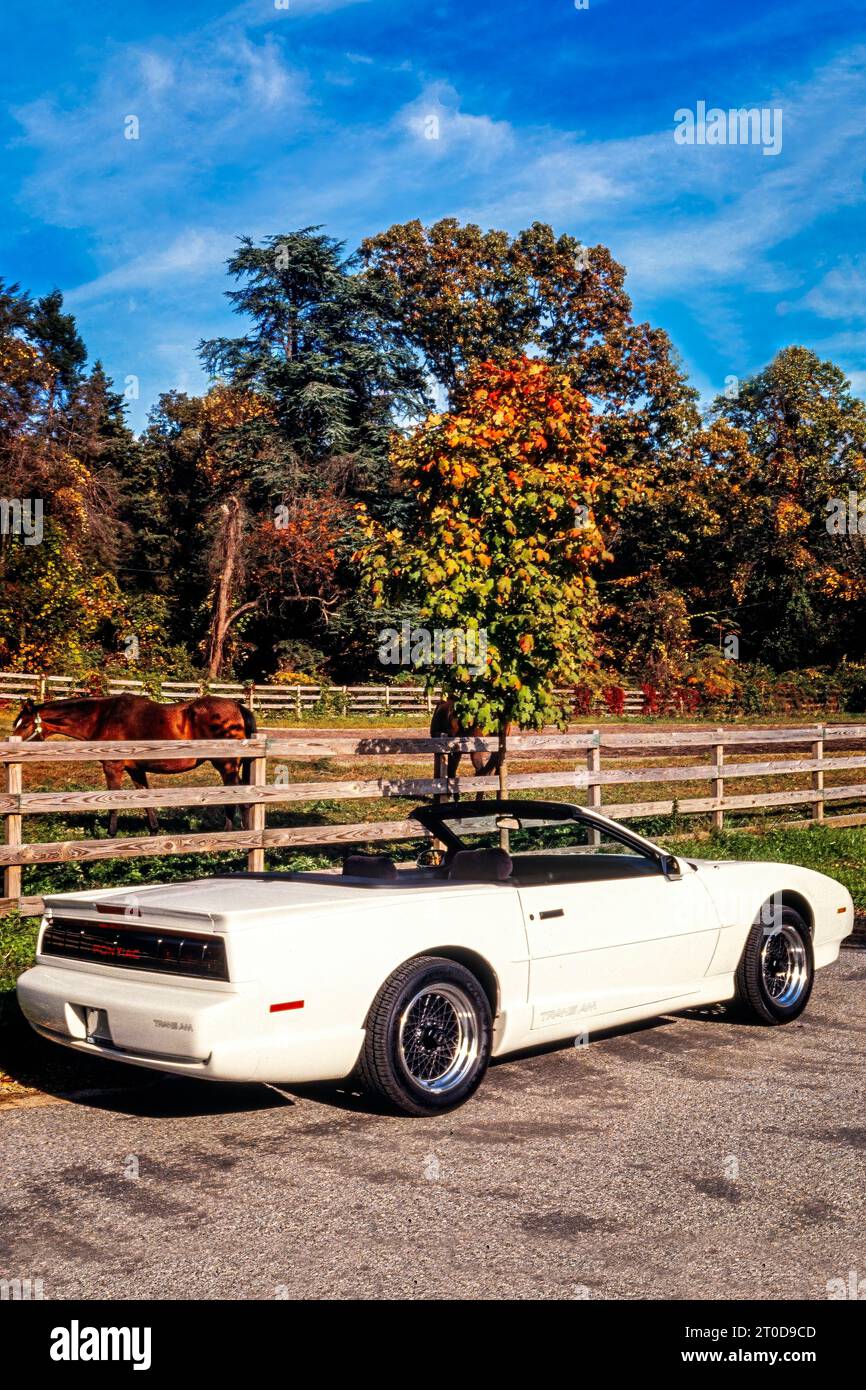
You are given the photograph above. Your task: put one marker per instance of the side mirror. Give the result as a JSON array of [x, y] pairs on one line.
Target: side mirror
[[671, 867], [429, 859]]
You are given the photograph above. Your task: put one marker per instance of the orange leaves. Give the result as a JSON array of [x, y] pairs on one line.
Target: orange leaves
[[791, 518], [226, 407], [528, 410], [298, 552], [496, 485], [226, 410]]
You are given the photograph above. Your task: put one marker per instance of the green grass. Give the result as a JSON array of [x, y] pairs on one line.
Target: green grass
[[17, 945]]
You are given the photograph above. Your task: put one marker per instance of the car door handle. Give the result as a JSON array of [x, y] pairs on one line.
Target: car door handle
[[551, 912]]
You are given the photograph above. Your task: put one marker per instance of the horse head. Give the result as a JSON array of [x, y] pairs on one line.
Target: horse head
[[28, 725]]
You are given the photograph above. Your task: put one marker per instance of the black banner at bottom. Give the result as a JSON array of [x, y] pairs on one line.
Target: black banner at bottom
[[59, 1339]]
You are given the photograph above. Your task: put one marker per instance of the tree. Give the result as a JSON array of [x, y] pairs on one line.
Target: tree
[[63, 443], [738, 524], [324, 357], [297, 555], [316, 386], [675, 550], [164, 498], [54, 610], [512, 492], [461, 295], [228, 576], [798, 581]]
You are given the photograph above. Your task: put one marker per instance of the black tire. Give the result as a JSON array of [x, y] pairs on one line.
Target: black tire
[[777, 969], [428, 1040]]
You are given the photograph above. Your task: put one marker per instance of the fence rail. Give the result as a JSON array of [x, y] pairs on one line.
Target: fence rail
[[590, 764], [355, 699]]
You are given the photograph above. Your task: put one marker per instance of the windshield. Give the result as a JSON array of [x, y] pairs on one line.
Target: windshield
[[533, 835]]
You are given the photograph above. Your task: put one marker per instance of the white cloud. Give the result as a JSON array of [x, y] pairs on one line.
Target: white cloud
[[192, 253], [689, 216], [435, 119], [212, 98], [841, 294], [268, 79], [157, 72]]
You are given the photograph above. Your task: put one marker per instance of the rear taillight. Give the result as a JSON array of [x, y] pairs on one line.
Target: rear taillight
[[136, 948]]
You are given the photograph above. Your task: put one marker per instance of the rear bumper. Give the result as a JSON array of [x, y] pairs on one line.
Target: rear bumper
[[218, 1035]]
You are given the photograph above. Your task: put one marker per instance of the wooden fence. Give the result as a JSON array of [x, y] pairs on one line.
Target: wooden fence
[[593, 761], [354, 699]]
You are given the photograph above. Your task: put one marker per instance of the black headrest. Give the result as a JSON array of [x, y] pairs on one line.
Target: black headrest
[[480, 866], [369, 866]]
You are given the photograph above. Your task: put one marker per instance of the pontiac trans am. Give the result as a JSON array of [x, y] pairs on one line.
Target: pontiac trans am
[[523, 923]]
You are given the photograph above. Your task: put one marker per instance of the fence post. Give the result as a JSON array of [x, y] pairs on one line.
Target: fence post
[[440, 768], [439, 771], [298, 700], [251, 694], [718, 782], [40, 691], [12, 873], [593, 764], [258, 778], [818, 778]]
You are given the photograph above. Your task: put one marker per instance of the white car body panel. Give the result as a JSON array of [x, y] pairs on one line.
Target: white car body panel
[[614, 953], [660, 942]]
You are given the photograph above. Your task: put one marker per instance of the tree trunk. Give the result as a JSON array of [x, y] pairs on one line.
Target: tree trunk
[[503, 780], [227, 551]]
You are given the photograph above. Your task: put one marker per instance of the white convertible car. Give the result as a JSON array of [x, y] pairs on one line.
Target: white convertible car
[[531, 922]]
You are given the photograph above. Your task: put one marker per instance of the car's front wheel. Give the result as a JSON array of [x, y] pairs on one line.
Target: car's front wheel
[[777, 969], [428, 1038]]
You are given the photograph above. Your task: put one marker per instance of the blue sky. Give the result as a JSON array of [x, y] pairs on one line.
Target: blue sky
[[257, 120]]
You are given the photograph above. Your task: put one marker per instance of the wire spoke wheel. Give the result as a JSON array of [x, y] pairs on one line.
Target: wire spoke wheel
[[784, 966], [428, 1037], [439, 1038]]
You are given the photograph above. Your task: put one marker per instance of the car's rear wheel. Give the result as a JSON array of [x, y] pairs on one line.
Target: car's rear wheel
[[777, 969], [428, 1039]]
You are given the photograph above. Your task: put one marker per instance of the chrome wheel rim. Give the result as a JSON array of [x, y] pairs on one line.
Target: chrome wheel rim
[[439, 1039], [784, 966]]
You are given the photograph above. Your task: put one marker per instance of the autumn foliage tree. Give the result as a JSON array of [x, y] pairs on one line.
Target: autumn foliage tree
[[296, 427], [461, 294], [63, 441], [798, 582], [297, 554], [736, 532], [514, 494]]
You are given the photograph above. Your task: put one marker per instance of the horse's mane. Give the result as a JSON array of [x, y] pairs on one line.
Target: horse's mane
[[73, 700]]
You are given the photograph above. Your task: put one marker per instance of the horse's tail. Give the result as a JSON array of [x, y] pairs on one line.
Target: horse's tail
[[250, 728]]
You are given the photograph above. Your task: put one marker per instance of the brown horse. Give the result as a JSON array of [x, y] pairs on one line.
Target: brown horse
[[135, 717], [445, 724]]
